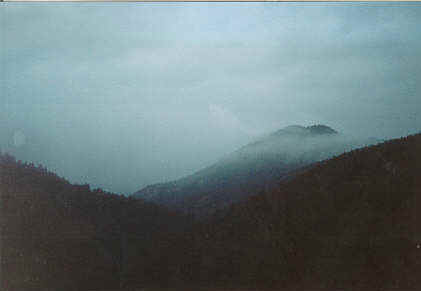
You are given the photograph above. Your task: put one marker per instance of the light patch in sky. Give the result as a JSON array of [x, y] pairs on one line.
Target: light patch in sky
[[19, 138], [227, 120]]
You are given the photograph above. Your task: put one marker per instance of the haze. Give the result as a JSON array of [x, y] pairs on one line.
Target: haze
[[122, 95]]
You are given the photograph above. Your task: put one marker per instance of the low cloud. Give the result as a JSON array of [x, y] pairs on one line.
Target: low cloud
[[158, 91]]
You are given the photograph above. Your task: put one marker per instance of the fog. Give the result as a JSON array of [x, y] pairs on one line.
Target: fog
[[122, 95]]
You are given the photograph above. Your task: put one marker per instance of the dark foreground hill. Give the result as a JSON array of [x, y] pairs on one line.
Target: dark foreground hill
[[349, 223], [250, 169], [59, 236]]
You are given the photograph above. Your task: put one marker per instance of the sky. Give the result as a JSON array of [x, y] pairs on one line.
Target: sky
[[123, 95]]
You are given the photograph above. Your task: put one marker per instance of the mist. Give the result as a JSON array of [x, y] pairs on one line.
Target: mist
[[123, 95]]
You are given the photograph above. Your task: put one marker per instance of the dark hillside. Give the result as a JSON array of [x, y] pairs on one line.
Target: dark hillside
[[59, 236], [250, 169], [349, 222]]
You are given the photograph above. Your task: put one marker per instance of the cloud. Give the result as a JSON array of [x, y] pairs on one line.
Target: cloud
[[228, 121], [178, 85]]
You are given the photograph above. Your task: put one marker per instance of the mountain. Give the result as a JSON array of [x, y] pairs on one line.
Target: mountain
[[59, 236], [250, 169], [352, 222]]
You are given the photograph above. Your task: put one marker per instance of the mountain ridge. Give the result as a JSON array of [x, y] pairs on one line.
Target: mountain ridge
[[248, 169], [61, 236], [349, 222]]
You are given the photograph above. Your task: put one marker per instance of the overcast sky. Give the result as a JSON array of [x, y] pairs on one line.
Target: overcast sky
[[121, 95]]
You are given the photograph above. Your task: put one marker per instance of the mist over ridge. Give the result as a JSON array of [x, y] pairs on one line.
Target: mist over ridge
[[157, 92], [210, 146], [253, 168]]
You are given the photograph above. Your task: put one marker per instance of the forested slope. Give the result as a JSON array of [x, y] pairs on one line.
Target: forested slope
[[59, 236], [250, 169], [349, 222]]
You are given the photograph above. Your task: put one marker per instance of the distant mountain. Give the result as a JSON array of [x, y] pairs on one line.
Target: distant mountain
[[59, 236], [352, 222], [250, 169]]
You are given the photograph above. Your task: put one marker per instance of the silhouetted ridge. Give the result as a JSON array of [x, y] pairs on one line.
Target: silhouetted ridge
[[290, 129], [348, 223], [59, 236], [321, 129], [302, 130], [250, 169]]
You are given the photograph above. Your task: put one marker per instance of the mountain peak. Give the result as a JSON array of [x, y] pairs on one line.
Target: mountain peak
[[294, 127], [304, 130], [321, 129]]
